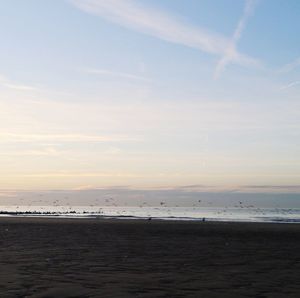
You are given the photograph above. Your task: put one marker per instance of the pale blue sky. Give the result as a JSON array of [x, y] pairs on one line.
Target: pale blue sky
[[150, 94]]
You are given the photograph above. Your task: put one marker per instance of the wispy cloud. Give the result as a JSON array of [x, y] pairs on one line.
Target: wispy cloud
[[290, 66], [8, 193], [230, 52], [269, 188], [18, 137], [47, 151], [4, 81], [290, 85], [78, 174], [124, 75], [133, 15]]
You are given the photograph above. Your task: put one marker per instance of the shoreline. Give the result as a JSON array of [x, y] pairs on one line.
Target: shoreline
[[260, 215], [150, 218], [143, 221]]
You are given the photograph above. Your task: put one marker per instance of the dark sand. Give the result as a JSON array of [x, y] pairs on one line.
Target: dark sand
[[122, 258]]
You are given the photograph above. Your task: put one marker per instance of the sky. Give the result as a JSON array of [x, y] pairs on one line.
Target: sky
[[150, 94]]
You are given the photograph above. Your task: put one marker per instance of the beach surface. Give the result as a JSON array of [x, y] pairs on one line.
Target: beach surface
[[55, 257]]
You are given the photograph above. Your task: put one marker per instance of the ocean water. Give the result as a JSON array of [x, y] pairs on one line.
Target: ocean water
[[243, 214]]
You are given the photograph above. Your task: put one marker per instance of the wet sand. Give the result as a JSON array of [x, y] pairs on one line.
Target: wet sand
[[53, 257]]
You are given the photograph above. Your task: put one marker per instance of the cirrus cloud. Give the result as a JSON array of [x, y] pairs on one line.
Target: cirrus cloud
[[133, 15]]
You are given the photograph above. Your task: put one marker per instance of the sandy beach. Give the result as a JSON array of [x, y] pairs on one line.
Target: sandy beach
[[52, 257]]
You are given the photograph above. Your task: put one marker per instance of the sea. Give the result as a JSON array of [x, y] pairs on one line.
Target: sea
[[239, 214]]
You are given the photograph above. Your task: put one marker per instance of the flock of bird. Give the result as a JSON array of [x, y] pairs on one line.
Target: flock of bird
[[64, 207]]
